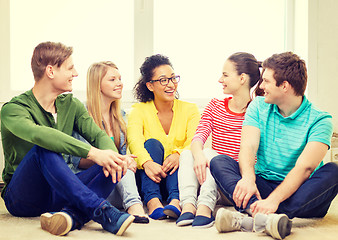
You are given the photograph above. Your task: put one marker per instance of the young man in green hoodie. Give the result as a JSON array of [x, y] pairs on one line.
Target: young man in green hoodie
[[36, 129]]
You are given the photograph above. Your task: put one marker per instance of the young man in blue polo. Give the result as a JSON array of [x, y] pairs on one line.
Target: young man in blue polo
[[280, 174]]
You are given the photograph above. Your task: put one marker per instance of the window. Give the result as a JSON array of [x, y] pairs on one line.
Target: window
[[98, 30], [198, 36]]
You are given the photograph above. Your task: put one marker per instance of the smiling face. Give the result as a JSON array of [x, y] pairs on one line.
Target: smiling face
[[111, 85], [230, 79], [273, 94], [163, 93], [63, 76]]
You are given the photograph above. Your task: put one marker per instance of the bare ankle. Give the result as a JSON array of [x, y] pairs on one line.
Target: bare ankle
[[153, 204], [136, 209], [176, 203], [203, 210], [188, 207]]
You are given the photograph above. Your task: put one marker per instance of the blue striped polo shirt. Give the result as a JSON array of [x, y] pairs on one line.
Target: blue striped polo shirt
[[282, 139]]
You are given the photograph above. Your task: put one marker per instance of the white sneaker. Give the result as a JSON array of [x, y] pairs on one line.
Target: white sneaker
[[276, 225], [228, 221]]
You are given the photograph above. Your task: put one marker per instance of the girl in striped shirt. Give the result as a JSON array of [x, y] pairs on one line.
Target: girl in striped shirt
[[222, 118]]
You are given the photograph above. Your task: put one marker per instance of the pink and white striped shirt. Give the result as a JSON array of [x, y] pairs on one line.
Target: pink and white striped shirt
[[225, 126]]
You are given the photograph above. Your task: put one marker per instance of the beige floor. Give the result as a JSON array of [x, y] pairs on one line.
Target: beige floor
[[13, 228]]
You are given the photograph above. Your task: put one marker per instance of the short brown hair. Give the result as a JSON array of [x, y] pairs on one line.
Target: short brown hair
[[288, 67], [48, 53]]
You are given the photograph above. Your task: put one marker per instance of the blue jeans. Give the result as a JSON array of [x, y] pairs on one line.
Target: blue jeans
[[125, 194], [312, 199], [151, 189], [43, 182]]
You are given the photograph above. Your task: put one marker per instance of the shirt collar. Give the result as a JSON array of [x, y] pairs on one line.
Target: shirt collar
[[155, 109], [305, 104]]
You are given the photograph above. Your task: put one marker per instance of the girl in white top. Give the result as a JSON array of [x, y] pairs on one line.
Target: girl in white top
[[222, 118]]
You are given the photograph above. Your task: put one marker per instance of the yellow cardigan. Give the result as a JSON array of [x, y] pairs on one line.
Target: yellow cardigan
[[143, 124]]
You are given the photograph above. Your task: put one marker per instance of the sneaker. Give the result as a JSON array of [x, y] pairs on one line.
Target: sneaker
[[59, 223], [228, 221], [276, 225], [111, 219], [185, 219], [203, 222]]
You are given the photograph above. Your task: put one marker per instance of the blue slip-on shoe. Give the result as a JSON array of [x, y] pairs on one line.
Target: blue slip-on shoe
[[203, 222], [111, 219], [158, 214], [57, 223], [171, 211], [185, 219]]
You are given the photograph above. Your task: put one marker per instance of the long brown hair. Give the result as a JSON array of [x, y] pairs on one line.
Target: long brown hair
[[248, 64], [95, 74]]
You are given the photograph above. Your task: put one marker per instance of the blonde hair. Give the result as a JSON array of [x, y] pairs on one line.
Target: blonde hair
[[95, 74]]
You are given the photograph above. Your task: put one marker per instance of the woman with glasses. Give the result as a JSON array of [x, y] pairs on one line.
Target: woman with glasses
[[223, 120], [104, 91], [159, 128]]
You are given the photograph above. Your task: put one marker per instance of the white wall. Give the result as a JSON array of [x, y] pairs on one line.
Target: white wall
[[4, 49], [4, 61], [323, 56]]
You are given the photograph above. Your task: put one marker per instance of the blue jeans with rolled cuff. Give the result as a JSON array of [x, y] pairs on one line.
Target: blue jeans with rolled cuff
[[150, 189], [43, 182], [312, 199]]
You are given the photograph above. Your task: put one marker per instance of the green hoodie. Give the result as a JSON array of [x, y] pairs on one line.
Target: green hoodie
[[24, 123]]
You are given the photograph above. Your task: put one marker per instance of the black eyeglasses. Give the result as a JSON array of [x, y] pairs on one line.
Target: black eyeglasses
[[165, 81]]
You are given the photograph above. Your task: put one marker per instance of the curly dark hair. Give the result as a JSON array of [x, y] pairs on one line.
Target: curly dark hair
[[141, 92]]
